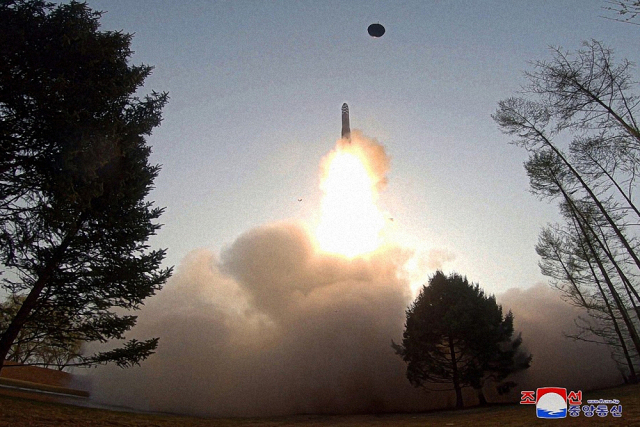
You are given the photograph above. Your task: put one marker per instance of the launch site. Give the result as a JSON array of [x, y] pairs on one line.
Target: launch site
[[319, 213]]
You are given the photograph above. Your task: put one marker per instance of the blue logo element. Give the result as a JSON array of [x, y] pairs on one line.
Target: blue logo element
[[543, 413]]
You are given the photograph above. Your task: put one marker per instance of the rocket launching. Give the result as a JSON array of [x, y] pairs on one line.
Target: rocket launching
[[346, 130]]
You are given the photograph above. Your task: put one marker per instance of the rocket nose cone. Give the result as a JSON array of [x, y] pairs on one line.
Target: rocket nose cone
[[345, 121]]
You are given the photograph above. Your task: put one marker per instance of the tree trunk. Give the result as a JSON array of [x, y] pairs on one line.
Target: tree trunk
[[588, 231], [481, 398], [615, 183], [456, 380], [9, 336], [570, 278], [623, 345], [632, 371], [614, 294], [625, 280], [591, 194]]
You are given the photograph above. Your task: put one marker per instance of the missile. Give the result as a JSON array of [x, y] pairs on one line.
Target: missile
[[346, 130]]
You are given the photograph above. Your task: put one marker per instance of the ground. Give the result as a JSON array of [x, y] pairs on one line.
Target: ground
[[20, 411], [35, 374]]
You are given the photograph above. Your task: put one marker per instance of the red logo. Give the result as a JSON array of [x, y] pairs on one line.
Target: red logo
[[528, 397], [562, 392], [575, 398]]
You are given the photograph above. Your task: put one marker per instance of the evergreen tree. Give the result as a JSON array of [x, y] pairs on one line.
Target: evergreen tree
[[74, 177], [457, 335]]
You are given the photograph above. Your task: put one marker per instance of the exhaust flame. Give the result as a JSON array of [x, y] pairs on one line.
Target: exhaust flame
[[352, 175]]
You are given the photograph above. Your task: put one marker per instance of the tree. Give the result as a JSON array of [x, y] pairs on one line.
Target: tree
[[577, 121], [627, 9], [588, 96], [455, 334], [42, 340], [74, 178], [569, 256]]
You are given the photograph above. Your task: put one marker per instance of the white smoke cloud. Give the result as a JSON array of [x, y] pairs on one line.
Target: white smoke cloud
[[272, 326], [545, 320]]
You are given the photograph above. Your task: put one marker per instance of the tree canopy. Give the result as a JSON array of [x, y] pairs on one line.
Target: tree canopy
[[577, 119], [75, 176], [457, 335]]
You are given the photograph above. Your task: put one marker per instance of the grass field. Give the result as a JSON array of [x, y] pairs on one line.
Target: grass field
[[16, 411]]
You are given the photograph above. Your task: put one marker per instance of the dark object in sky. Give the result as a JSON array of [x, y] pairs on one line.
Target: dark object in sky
[[376, 30], [346, 130]]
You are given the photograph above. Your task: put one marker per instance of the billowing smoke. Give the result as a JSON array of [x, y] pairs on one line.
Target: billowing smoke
[[545, 321], [273, 326]]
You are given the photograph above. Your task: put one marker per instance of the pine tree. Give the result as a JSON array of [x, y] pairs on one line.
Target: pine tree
[[74, 176], [455, 334]]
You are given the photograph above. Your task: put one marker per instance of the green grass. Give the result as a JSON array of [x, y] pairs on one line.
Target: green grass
[[16, 411]]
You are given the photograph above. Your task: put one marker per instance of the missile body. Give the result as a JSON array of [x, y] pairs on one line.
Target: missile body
[[346, 130]]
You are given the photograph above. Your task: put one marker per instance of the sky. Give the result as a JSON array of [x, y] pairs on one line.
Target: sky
[[255, 94]]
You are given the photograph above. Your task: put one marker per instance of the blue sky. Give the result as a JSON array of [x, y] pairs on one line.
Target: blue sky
[[256, 89]]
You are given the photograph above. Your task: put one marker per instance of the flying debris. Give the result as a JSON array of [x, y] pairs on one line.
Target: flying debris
[[376, 30], [299, 200], [346, 129]]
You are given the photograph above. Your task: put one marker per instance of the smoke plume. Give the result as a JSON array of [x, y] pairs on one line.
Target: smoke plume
[[273, 326], [545, 320]]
